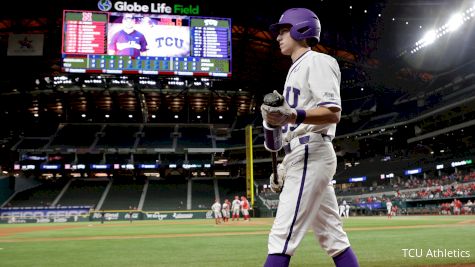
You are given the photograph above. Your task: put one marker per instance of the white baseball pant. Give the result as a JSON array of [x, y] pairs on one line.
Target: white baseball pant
[[308, 199]]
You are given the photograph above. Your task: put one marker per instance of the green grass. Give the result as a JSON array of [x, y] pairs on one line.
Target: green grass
[[377, 242]]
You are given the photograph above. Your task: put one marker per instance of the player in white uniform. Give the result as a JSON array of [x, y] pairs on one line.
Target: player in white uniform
[[342, 208], [389, 207], [236, 206], [308, 118], [347, 210], [226, 210], [216, 208]]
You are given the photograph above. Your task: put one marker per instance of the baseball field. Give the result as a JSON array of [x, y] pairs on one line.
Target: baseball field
[[400, 241]]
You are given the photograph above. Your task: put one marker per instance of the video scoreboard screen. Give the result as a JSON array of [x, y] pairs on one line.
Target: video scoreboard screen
[[138, 43]]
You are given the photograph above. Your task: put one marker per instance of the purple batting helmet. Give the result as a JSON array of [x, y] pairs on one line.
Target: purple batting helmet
[[304, 24]]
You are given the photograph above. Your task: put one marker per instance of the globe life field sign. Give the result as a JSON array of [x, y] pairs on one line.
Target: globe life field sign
[[157, 8]]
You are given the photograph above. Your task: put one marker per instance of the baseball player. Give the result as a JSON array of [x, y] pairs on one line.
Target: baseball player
[[128, 41], [236, 206], [226, 210], [389, 206], [342, 208], [245, 208], [216, 208], [308, 118], [347, 210]]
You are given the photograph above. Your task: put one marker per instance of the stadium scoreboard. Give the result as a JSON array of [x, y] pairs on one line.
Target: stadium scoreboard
[[176, 45]]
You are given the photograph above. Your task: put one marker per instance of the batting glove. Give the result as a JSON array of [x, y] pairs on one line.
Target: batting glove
[[278, 116], [281, 172]]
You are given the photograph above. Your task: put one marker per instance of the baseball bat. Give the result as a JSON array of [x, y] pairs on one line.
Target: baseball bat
[[274, 167], [274, 100]]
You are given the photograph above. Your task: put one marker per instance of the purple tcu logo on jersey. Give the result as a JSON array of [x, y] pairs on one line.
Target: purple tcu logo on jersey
[[295, 93]]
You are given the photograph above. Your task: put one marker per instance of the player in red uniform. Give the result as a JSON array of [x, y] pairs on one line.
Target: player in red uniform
[[245, 208]]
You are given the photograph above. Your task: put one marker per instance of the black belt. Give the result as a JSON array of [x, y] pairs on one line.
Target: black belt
[[304, 140]]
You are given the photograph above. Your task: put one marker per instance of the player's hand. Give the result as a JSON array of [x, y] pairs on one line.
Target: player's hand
[[278, 116], [281, 172]]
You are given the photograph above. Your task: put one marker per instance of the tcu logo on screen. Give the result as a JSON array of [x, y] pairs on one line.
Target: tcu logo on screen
[[211, 22], [169, 41]]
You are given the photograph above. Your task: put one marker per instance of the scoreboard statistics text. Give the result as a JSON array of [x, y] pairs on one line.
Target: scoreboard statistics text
[[132, 43]]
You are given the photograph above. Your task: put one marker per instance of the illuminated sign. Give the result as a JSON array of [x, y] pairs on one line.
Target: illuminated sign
[[173, 45], [414, 171], [33, 157], [158, 8], [127, 166], [461, 163], [191, 166], [50, 167], [388, 175], [78, 167], [357, 179], [439, 166], [100, 166], [28, 167], [147, 166]]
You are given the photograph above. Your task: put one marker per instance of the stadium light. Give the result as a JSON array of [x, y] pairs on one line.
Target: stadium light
[[429, 38], [453, 24], [455, 21]]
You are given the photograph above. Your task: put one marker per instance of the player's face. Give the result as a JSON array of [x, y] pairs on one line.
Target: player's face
[[128, 21], [286, 43]]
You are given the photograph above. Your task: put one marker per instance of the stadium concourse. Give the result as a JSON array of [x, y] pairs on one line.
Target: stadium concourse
[[162, 123]]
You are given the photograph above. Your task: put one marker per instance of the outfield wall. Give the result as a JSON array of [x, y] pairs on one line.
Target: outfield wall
[[76, 214]]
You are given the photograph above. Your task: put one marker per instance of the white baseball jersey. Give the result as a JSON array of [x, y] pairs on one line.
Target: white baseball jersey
[[216, 208], [308, 199], [225, 206], [389, 205], [225, 209], [312, 81], [236, 205], [342, 210]]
